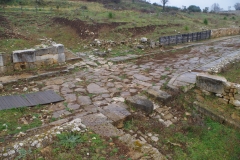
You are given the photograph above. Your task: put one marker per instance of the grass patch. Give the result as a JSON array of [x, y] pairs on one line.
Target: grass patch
[[76, 145], [192, 137], [11, 123], [212, 141], [233, 73]]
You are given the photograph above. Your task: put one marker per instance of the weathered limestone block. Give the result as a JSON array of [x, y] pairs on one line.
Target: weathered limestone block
[[59, 47], [61, 57], [159, 95], [50, 55], [44, 62], [41, 51], [116, 113], [140, 102], [24, 56], [1, 86], [211, 83], [237, 97], [5, 69], [1, 59], [5, 59]]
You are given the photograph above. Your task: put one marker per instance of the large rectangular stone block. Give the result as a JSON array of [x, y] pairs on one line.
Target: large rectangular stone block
[[52, 50], [60, 48], [61, 57], [41, 51], [211, 83], [24, 56]]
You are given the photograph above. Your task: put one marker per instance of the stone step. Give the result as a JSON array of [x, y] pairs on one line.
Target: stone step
[[140, 102], [159, 95]]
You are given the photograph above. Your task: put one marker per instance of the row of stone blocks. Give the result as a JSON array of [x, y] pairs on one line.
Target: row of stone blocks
[[31, 58]]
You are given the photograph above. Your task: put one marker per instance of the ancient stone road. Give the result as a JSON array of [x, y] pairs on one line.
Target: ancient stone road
[[103, 83], [97, 92]]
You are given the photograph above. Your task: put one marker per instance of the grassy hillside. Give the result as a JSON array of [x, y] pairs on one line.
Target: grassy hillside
[[76, 23]]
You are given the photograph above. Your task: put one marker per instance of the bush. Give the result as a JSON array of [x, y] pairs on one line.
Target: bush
[[205, 21], [84, 7], [186, 28], [225, 18], [110, 15], [233, 18]]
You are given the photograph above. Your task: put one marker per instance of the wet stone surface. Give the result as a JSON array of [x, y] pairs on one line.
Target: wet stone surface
[[94, 93]]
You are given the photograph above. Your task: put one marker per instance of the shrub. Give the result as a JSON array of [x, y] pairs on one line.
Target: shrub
[[186, 28], [110, 15], [205, 21], [84, 7], [233, 18], [225, 18]]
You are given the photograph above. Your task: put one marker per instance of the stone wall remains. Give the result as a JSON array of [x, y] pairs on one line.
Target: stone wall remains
[[31, 58], [228, 91], [221, 32]]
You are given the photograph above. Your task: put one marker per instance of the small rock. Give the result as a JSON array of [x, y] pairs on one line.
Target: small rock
[[168, 123], [118, 99], [143, 40], [219, 95], [149, 134], [168, 116], [35, 89], [236, 103], [25, 89], [79, 80], [100, 54], [154, 138], [140, 46], [1, 86]]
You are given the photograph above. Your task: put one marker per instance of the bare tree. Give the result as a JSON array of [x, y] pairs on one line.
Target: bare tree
[[164, 2], [216, 7]]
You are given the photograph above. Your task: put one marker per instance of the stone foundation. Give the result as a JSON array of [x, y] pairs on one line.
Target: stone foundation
[[32, 58]]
